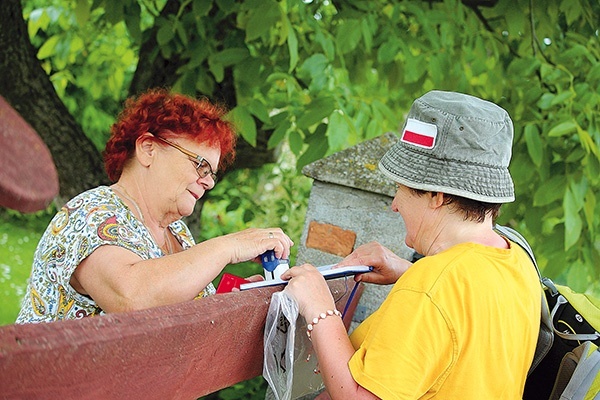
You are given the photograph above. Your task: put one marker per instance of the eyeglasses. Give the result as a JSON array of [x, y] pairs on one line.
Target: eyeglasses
[[203, 167]]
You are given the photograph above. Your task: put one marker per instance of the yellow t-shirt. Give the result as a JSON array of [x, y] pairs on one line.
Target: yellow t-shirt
[[462, 324]]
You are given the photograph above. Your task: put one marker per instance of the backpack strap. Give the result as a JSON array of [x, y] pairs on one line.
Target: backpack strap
[[546, 335], [579, 374], [560, 300], [516, 237]]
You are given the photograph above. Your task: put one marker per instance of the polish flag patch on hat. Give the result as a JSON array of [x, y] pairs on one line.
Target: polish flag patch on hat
[[419, 133]]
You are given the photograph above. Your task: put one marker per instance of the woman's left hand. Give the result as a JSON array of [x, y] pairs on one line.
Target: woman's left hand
[[308, 287], [250, 243]]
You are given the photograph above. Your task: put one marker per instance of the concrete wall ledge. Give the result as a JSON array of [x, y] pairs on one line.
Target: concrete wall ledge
[[182, 351]]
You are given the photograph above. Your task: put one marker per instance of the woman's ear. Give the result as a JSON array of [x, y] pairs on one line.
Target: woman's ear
[[145, 149], [436, 200]]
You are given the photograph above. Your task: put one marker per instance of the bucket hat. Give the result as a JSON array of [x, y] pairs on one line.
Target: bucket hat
[[454, 143]]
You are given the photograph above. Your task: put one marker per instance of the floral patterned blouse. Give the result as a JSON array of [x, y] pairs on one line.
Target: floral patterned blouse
[[92, 219]]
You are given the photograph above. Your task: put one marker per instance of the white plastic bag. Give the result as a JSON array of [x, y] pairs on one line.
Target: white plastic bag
[[289, 360]]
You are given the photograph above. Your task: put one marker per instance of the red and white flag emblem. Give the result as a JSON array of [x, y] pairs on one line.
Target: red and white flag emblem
[[419, 133]]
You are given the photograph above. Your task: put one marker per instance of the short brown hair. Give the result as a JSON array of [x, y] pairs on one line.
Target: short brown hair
[[472, 210]]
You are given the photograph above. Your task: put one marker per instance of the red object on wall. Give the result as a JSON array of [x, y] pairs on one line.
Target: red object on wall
[[28, 177]]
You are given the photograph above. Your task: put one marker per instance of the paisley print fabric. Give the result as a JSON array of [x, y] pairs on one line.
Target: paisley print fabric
[[90, 220]]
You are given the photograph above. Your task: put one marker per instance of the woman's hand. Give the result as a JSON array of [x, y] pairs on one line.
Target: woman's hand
[[308, 287], [249, 244], [255, 278], [387, 266]]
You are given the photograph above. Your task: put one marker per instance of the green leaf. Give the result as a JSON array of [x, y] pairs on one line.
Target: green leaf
[[48, 48], [38, 19], [577, 276], [388, 51], [314, 65], [165, 34], [132, 21], [338, 131], [316, 111], [385, 111], [316, 149], [296, 141], [262, 19], [258, 109], [279, 134], [535, 147], [374, 129], [181, 33], [326, 44], [204, 82], [550, 191], [575, 52], [562, 97], [589, 208], [588, 143], [594, 74], [348, 36], [292, 42], [230, 56], [216, 68], [367, 34], [516, 20], [563, 129], [201, 7], [248, 215], [244, 122], [579, 190], [82, 12], [114, 13], [545, 101], [234, 204], [415, 68], [573, 223], [278, 76], [572, 10]]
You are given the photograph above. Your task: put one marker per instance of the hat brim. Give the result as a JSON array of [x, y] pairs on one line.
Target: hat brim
[[473, 181]]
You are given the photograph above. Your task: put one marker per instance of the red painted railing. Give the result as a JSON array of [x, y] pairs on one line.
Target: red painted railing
[[183, 351]]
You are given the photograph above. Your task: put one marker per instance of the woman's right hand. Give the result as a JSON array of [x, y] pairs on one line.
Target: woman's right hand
[[250, 243], [387, 266], [310, 290]]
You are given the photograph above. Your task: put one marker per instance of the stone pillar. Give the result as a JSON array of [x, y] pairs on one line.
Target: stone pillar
[[349, 205]]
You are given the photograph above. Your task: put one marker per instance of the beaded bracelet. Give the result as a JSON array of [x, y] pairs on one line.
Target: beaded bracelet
[[316, 320]]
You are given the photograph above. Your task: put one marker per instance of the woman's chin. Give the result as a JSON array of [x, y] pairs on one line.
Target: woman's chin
[[186, 210]]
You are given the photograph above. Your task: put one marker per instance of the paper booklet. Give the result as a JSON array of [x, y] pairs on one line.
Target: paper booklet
[[326, 270]]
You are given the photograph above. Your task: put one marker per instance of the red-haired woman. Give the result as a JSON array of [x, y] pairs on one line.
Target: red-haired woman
[[124, 247]]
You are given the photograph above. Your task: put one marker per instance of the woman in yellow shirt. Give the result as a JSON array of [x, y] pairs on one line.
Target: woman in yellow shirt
[[462, 322]]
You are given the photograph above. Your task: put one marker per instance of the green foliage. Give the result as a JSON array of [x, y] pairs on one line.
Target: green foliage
[[552, 91], [252, 389], [19, 235]]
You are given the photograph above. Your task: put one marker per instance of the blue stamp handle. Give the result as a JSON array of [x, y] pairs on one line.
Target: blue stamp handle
[[269, 261]]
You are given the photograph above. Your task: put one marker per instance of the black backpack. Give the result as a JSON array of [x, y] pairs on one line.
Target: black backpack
[[566, 363]]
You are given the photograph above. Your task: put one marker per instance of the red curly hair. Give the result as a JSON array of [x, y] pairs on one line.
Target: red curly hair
[[168, 115]]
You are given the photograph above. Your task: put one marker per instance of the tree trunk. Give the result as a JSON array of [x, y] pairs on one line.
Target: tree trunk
[[27, 88]]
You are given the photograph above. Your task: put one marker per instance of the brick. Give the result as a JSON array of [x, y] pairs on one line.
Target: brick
[[330, 239]]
